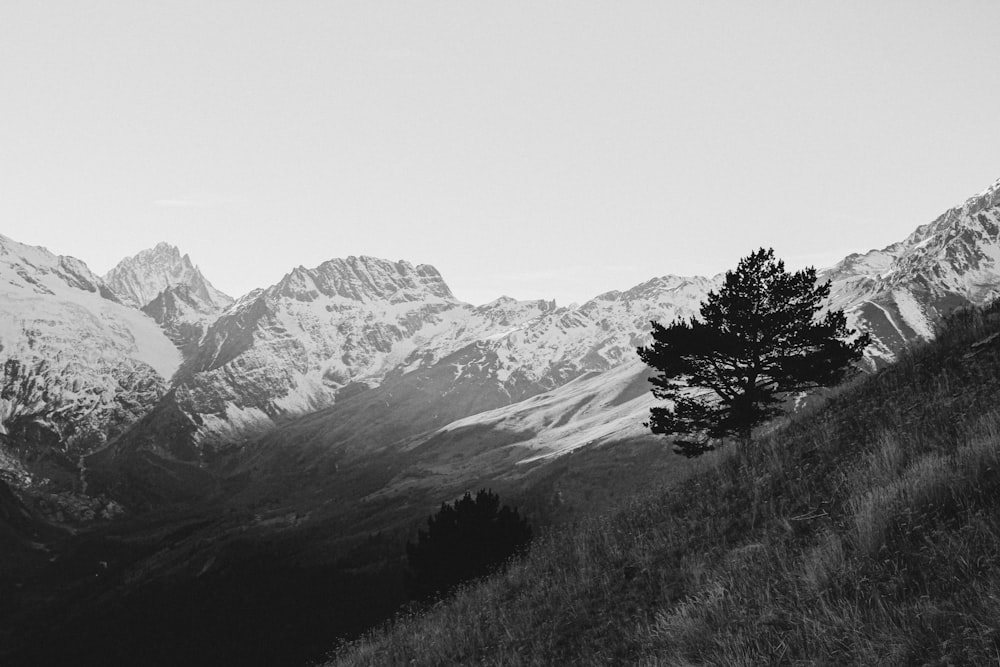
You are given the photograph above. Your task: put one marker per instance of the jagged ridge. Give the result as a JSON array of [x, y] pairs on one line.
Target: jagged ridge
[[139, 279]]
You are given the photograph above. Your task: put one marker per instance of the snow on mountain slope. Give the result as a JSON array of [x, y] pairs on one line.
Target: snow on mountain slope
[[399, 442], [899, 293], [587, 410], [529, 373], [321, 335], [571, 360], [595, 390], [77, 365], [599, 335], [958, 253], [341, 327]]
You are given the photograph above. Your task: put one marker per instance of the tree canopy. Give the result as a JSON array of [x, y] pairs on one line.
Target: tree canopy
[[758, 339]]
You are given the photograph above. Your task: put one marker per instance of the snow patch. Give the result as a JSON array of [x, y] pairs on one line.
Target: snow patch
[[582, 412], [502, 334], [913, 313], [235, 422]]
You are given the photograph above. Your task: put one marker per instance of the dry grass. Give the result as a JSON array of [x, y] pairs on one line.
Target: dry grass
[[866, 532]]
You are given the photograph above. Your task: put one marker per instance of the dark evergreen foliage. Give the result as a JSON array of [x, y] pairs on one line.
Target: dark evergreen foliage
[[759, 338], [463, 541]]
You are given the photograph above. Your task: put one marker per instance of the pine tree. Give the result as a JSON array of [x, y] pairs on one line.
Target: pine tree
[[759, 339]]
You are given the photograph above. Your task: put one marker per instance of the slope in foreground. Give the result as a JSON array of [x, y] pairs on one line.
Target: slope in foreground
[[867, 532]]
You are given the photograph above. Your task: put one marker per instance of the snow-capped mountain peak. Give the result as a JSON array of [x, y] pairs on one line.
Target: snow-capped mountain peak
[[898, 293], [958, 252], [139, 279], [365, 279], [36, 269]]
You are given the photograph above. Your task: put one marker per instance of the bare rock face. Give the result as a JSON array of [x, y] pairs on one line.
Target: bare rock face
[[77, 367]]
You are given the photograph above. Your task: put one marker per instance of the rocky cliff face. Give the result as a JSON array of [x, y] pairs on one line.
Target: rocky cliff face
[[77, 367]]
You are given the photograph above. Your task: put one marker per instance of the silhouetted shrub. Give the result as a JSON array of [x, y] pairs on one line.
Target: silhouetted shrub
[[463, 541]]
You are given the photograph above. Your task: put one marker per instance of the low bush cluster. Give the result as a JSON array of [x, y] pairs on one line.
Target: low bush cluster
[[465, 540]]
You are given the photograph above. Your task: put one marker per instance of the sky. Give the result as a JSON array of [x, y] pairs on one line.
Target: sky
[[543, 149]]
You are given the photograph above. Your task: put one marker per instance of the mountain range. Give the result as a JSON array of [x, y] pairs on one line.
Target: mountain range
[[318, 418], [151, 362]]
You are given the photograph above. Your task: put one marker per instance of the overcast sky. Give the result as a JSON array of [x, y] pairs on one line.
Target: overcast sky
[[534, 149]]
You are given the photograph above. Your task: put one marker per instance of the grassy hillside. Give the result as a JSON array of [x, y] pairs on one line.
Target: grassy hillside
[[866, 532]]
